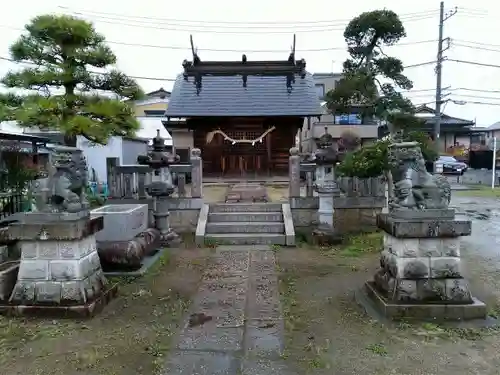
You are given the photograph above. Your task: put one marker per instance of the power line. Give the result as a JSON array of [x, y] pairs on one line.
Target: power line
[[93, 72], [474, 63], [476, 43], [476, 47], [462, 102], [452, 90], [221, 30], [254, 51], [238, 23], [475, 96], [157, 78], [188, 48]]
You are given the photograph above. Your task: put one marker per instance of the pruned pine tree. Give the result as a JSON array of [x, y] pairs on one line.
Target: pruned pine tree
[[67, 82]]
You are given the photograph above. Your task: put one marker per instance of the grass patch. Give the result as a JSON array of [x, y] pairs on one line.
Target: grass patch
[[359, 245], [296, 322], [131, 336], [480, 192]]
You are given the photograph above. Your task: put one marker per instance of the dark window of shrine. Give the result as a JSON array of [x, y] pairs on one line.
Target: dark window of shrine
[[183, 154]]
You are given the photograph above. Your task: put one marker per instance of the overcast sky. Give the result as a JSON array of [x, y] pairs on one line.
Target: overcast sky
[[233, 27]]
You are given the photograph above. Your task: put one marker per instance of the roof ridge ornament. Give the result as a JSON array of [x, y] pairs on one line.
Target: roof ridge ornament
[[288, 68]]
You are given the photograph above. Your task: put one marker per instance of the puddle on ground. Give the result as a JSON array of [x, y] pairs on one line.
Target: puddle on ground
[[485, 216]]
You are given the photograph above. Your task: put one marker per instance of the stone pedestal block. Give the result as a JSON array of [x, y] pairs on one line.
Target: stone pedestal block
[[122, 222], [249, 192], [421, 272], [128, 254], [59, 265]]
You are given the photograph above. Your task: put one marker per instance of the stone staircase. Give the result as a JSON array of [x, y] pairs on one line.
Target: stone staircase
[[246, 224]]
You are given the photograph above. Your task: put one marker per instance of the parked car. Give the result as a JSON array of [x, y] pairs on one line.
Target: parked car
[[452, 165]]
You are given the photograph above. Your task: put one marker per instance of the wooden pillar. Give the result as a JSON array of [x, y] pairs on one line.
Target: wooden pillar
[[34, 150], [268, 149]]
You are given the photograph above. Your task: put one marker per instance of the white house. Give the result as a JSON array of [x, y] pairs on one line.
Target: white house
[[125, 149]]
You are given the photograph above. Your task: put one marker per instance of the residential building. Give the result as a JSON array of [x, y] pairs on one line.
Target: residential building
[[124, 148], [493, 130], [154, 104], [454, 131], [335, 124]]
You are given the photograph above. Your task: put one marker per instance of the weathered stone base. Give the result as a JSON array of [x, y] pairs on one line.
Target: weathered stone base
[[424, 227], [87, 310], [422, 270], [128, 255], [8, 278], [322, 237], [146, 264], [57, 272], [170, 239], [423, 311]]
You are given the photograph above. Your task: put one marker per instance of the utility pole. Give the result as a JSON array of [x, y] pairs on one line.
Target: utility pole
[[439, 69]]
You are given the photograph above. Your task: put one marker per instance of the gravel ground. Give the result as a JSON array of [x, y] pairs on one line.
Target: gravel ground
[[327, 331], [130, 337]]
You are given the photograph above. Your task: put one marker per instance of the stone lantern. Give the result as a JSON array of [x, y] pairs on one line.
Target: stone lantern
[[326, 157], [161, 187]]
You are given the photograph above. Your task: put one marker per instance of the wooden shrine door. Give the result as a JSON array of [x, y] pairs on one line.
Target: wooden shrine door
[[242, 159]]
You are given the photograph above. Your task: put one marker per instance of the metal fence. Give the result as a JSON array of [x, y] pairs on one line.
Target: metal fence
[[12, 198]]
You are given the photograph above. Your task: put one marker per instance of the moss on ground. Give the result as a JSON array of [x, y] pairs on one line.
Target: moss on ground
[[130, 337]]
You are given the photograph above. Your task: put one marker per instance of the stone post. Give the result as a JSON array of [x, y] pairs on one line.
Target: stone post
[[196, 173], [422, 274], [294, 173], [161, 187], [327, 188]]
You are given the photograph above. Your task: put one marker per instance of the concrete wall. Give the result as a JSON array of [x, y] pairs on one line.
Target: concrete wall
[[184, 214], [96, 154], [351, 214], [131, 149], [182, 138]]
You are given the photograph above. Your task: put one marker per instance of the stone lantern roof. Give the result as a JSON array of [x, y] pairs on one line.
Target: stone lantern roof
[[327, 151]]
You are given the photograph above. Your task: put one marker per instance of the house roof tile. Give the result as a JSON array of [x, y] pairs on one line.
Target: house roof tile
[[225, 96]]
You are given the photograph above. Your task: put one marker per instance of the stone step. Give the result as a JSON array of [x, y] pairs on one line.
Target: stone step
[[247, 217], [245, 207], [246, 238], [251, 227]]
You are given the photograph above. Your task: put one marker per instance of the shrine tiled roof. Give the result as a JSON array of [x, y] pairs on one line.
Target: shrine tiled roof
[[225, 96]]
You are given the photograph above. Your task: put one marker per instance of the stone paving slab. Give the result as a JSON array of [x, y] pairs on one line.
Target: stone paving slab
[[228, 263], [202, 363], [210, 337], [261, 366], [264, 340], [240, 296], [245, 248]]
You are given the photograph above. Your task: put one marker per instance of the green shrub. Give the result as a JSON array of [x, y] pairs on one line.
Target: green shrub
[[371, 160]]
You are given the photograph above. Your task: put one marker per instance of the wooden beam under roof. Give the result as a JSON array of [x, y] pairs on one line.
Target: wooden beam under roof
[[232, 68]]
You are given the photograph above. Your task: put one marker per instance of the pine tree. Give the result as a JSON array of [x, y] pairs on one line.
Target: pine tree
[[370, 77], [71, 88]]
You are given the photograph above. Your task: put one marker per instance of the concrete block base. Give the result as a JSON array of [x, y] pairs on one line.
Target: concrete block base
[[87, 310], [371, 298]]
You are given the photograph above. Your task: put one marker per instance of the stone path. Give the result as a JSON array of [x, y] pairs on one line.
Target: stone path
[[235, 326]]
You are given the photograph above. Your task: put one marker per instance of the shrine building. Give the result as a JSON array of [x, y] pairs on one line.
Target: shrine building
[[243, 115]]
